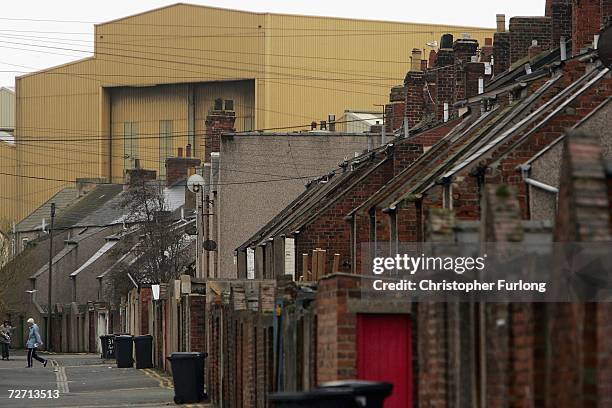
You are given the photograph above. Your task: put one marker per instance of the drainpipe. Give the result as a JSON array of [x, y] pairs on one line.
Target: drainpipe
[[524, 168]]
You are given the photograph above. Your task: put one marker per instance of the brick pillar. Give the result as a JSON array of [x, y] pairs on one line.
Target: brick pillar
[[197, 315], [217, 123], [336, 329], [583, 213], [586, 22], [145, 297], [502, 215], [582, 330]]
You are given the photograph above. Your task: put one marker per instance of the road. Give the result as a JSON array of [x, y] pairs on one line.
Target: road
[[82, 380]]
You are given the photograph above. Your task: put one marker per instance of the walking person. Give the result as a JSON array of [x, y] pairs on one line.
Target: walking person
[[34, 341], [6, 331]]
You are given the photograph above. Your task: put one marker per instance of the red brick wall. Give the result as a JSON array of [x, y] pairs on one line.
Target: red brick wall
[[525, 29], [330, 231], [177, 168], [561, 13], [586, 21], [336, 350], [197, 313], [145, 297]]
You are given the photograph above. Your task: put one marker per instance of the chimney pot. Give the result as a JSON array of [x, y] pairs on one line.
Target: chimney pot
[[446, 42], [415, 64], [188, 150], [313, 125], [180, 152]]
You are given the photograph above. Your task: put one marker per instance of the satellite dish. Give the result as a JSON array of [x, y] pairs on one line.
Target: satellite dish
[[195, 183]]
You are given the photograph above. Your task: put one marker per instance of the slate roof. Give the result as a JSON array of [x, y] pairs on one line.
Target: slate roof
[[111, 211], [62, 200], [89, 204]]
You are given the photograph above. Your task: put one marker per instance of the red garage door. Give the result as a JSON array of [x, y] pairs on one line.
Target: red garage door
[[384, 353]]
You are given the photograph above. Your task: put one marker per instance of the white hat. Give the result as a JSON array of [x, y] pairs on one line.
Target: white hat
[[30, 320]]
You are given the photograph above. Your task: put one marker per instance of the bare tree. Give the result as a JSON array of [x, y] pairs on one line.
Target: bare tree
[[163, 249]]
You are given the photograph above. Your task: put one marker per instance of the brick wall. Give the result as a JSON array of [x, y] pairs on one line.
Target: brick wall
[[586, 21], [177, 168], [329, 230], [523, 30], [560, 11], [197, 328], [501, 52]]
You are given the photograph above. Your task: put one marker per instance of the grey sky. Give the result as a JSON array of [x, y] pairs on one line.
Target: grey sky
[[15, 33]]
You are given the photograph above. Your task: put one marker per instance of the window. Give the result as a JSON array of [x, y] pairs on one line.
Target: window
[[165, 145], [130, 144]]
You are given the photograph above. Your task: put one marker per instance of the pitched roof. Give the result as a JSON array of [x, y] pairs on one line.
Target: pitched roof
[[62, 200], [89, 204]]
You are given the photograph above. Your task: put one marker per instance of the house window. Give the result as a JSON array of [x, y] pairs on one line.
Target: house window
[[165, 145], [130, 144]]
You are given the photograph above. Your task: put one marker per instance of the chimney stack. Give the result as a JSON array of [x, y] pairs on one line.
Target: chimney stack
[[137, 177], [560, 11], [586, 22], [85, 185], [217, 123], [179, 168]]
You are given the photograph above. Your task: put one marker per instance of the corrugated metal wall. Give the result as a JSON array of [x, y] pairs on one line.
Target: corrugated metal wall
[[303, 68], [7, 109], [8, 192]]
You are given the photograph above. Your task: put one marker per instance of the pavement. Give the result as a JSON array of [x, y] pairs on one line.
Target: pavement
[[82, 380]]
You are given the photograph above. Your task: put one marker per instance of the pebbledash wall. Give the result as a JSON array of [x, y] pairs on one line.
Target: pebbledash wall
[[247, 199], [157, 73]]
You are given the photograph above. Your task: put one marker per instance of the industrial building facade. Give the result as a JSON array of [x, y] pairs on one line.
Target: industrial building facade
[[154, 76]]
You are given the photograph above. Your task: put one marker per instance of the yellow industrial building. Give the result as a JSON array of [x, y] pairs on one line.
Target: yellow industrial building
[[154, 76]]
